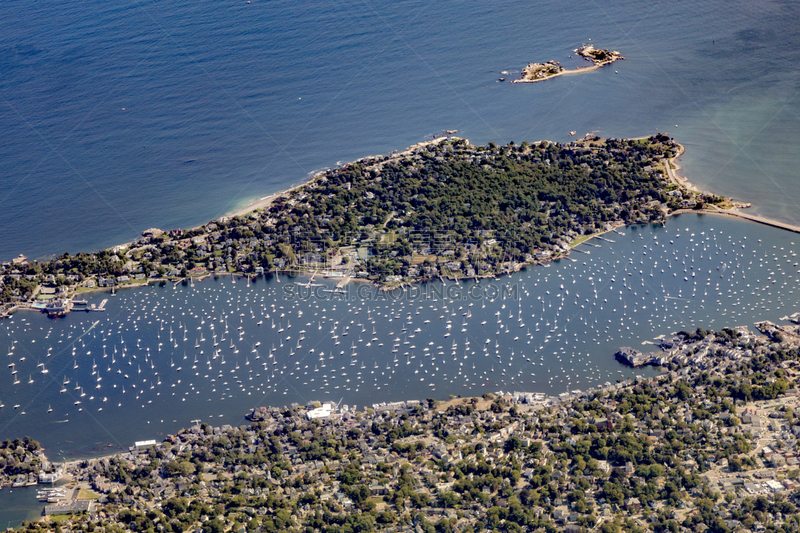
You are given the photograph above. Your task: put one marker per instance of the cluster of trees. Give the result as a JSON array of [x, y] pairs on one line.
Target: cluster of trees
[[17, 457], [447, 197], [16, 289], [453, 194], [563, 467]]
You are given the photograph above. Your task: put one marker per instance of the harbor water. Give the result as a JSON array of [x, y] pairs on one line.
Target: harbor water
[[211, 350]]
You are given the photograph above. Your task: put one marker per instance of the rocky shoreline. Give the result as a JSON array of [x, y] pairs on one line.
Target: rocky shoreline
[[535, 72]]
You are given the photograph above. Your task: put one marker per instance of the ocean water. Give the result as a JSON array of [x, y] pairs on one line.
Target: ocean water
[[116, 117], [119, 117]]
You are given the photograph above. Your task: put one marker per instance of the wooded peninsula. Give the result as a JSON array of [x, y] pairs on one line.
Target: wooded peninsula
[[442, 208]]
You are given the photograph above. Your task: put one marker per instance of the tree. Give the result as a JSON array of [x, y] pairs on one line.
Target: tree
[[214, 525], [513, 444], [179, 468]]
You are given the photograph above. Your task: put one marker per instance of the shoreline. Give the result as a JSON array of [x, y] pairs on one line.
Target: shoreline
[[266, 201], [672, 176], [577, 70], [683, 182], [587, 52], [680, 181], [669, 173]]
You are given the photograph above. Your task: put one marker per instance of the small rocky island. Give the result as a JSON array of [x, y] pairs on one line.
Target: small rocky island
[[542, 71]]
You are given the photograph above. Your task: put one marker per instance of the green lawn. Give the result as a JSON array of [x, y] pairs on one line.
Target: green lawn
[[580, 239], [84, 494]]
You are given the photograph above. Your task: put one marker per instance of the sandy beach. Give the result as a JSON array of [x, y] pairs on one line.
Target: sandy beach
[[266, 201], [578, 70], [261, 203]]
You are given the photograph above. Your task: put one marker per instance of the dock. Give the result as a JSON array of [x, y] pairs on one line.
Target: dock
[[97, 308], [339, 289], [310, 282]]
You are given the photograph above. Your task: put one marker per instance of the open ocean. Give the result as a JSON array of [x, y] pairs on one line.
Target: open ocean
[[117, 117]]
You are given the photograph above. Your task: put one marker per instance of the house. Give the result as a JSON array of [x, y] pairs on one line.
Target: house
[[561, 513], [603, 466], [69, 507], [632, 504], [749, 418], [603, 424], [777, 460], [323, 411]]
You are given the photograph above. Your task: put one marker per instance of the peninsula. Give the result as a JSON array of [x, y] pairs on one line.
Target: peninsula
[[544, 71], [440, 209]]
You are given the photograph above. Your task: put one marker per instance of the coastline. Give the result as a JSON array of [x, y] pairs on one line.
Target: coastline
[[265, 201], [672, 176], [266, 442], [577, 70], [670, 168], [588, 52]]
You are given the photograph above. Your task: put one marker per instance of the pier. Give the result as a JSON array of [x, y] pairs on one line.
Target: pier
[[763, 220], [96, 308], [339, 289], [310, 282]]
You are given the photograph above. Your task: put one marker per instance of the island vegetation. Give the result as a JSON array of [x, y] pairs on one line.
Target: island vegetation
[[443, 208]]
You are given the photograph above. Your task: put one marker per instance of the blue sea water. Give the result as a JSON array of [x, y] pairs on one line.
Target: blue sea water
[[116, 117]]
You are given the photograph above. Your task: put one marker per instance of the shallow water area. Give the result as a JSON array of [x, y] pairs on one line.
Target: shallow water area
[[18, 504]]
